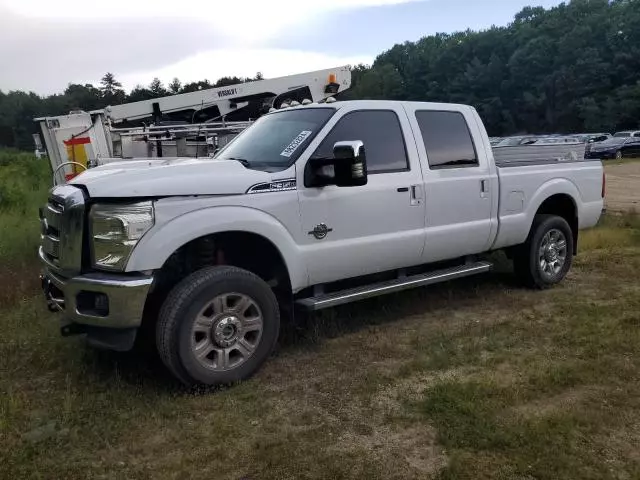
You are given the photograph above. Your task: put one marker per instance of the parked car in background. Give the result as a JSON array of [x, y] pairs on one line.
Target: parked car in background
[[616, 147], [495, 140], [555, 140], [516, 141], [594, 137], [521, 140], [628, 133]]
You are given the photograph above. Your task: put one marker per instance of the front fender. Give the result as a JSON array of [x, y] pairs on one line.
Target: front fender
[[164, 239]]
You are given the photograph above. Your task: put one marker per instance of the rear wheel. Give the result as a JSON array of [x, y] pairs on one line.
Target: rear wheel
[[217, 326], [546, 257]]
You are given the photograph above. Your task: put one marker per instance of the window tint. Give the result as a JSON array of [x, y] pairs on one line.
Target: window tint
[[381, 134], [276, 140], [447, 139]]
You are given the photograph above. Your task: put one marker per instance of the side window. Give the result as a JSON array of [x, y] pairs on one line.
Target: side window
[[381, 133], [447, 139]]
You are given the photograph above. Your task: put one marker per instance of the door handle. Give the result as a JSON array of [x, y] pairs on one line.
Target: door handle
[[416, 195], [403, 189], [484, 188]]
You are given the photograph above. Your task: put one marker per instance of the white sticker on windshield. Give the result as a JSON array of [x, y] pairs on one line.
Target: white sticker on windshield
[[293, 146]]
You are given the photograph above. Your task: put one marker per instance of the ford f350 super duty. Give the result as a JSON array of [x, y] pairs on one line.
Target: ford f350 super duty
[[310, 207]]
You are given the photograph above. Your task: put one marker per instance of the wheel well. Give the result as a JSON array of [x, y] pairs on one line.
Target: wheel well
[[244, 250], [563, 206]]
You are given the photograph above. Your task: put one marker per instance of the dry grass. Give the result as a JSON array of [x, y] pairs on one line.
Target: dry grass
[[623, 178], [472, 379]]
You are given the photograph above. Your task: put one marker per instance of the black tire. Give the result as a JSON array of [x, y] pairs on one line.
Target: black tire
[[174, 330], [527, 262]]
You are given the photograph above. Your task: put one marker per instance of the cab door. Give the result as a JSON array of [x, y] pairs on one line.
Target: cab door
[[354, 231], [460, 180]]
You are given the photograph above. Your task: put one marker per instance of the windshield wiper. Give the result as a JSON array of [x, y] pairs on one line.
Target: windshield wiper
[[243, 161]]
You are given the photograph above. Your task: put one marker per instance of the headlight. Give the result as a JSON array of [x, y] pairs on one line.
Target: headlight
[[116, 230]]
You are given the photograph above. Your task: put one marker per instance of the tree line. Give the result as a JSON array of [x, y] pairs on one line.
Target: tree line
[[570, 68]]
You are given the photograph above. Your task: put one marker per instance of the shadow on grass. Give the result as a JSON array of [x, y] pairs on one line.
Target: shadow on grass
[[143, 366], [308, 330]]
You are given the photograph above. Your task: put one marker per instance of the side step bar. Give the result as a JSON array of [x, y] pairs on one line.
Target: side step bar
[[329, 300]]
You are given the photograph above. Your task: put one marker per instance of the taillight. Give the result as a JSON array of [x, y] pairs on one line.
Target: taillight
[[604, 184]]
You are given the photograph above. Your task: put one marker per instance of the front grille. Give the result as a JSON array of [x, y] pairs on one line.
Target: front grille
[[51, 229], [51, 246], [61, 228]]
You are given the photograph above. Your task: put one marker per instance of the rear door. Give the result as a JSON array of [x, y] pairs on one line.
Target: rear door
[[354, 231], [460, 180]]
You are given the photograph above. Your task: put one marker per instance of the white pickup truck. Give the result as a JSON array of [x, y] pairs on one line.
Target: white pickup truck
[[311, 207]]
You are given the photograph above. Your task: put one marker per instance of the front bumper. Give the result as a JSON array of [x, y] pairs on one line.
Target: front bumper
[[114, 301]]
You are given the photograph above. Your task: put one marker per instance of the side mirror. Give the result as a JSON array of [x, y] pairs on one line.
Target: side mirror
[[347, 167], [350, 164]]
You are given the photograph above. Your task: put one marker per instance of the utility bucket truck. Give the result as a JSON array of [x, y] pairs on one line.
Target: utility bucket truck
[[194, 124]]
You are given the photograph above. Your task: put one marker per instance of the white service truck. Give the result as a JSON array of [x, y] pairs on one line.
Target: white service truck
[[311, 207]]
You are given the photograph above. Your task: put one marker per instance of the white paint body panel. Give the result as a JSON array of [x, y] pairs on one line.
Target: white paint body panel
[[460, 217], [372, 222], [169, 177], [375, 227], [534, 184]]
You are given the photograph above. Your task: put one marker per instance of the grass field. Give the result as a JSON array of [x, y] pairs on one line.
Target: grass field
[[473, 379]]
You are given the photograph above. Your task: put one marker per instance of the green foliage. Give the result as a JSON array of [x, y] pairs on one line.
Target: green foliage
[[572, 68], [156, 88], [24, 183]]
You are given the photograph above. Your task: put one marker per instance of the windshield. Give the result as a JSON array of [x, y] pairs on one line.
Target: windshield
[[276, 140]]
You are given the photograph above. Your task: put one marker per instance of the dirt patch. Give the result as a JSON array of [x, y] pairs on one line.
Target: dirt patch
[[561, 402], [411, 452], [623, 187], [17, 283]]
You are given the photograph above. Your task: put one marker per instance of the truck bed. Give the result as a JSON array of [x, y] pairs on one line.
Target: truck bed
[[526, 183]]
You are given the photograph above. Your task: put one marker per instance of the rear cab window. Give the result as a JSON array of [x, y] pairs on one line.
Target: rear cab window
[[447, 139]]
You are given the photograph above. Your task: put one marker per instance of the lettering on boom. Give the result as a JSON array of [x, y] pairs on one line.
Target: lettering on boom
[[227, 92]]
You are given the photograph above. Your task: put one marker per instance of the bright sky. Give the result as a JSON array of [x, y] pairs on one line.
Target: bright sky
[[45, 44]]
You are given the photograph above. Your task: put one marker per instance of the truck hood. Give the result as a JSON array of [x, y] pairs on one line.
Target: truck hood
[[168, 177]]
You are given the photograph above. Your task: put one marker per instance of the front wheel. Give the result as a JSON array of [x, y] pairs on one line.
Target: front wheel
[[546, 257], [619, 155], [217, 326]]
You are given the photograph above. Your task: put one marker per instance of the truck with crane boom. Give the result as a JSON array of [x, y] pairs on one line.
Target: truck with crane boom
[[194, 124]]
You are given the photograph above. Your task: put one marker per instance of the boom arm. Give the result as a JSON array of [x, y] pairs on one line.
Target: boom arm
[[321, 84]]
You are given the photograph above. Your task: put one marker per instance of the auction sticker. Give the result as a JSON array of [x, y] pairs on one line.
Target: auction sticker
[[293, 146]]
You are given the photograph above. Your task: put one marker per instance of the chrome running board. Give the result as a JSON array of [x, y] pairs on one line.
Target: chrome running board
[[333, 299]]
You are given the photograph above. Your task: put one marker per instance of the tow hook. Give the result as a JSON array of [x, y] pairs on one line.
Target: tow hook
[[72, 329], [53, 304]]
